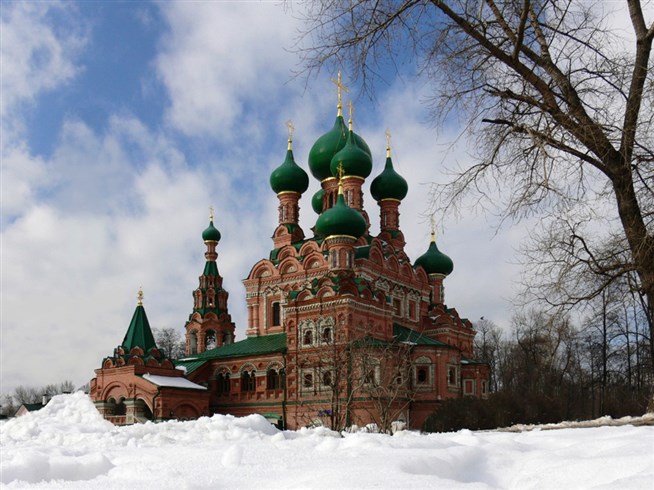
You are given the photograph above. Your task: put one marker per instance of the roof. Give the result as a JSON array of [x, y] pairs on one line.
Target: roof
[[139, 333], [32, 407], [172, 381], [264, 344], [404, 334]]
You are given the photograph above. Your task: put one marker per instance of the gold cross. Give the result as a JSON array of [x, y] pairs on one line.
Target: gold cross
[[433, 229], [291, 128], [351, 107], [210, 213], [340, 87], [388, 142], [340, 171], [140, 296]]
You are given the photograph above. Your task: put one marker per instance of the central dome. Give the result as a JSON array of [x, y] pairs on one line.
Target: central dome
[[330, 143], [341, 220]]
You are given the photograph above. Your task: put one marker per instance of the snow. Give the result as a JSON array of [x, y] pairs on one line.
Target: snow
[[176, 382], [68, 445]]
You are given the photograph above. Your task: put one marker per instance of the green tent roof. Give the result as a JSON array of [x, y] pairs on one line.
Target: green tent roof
[[139, 333]]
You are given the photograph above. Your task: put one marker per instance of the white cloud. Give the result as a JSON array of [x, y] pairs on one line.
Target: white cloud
[[220, 61], [35, 57]]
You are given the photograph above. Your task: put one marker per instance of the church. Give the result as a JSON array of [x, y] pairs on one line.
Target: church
[[343, 327]]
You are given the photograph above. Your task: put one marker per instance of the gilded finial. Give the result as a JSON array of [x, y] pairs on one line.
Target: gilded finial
[[291, 128], [140, 296], [433, 229], [340, 88], [351, 107], [388, 143], [211, 213], [340, 171]]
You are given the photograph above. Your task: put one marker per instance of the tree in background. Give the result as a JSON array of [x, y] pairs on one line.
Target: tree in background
[[29, 394], [170, 342], [558, 104]]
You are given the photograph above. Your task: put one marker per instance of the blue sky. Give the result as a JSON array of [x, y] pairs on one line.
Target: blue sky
[[122, 122]]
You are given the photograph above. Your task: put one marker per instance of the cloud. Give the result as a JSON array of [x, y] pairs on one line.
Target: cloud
[[220, 62], [35, 56]]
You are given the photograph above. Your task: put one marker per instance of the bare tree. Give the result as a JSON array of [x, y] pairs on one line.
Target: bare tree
[[559, 103], [170, 342]]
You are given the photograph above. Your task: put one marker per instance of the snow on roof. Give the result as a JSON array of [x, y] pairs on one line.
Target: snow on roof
[[173, 382]]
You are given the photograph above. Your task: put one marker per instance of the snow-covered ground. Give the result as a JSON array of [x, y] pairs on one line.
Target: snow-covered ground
[[68, 445]]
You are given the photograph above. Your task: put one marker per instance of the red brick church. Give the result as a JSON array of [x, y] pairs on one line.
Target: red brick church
[[343, 328]]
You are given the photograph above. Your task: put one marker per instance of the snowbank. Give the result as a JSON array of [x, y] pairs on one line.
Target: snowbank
[[68, 445]]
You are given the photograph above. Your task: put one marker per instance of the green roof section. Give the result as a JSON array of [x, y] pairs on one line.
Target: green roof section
[[289, 176], [139, 333], [211, 234], [341, 220], [389, 184], [265, 344], [433, 261], [404, 334]]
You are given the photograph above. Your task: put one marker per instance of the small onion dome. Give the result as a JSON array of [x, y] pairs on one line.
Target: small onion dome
[[316, 201], [355, 160], [211, 234], [389, 184], [289, 176], [341, 220], [330, 143], [433, 261]]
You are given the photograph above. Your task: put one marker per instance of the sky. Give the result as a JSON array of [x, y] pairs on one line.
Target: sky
[[68, 445], [123, 122]]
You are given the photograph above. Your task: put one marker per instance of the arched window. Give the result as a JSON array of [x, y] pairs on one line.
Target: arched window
[[273, 379], [451, 376], [210, 340], [308, 337], [276, 316], [422, 376], [224, 384], [327, 335], [327, 378], [248, 381], [307, 380]]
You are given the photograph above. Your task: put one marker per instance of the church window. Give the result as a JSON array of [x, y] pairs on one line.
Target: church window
[[451, 376], [121, 408], [210, 340], [484, 387], [397, 307], [248, 381], [371, 372], [422, 376], [327, 378], [223, 385], [273, 379], [308, 337], [327, 335], [276, 314], [412, 310], [307, 380]]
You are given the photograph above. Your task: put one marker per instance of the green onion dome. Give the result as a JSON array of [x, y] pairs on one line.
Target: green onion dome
[[289, 176], [389, 184], [355, 160], [433, 261], [330, 143], [341, 220], [211, 234], [316, 201]]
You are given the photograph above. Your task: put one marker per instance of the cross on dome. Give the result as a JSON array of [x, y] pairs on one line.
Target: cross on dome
[[340, 88], [291, 128]]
